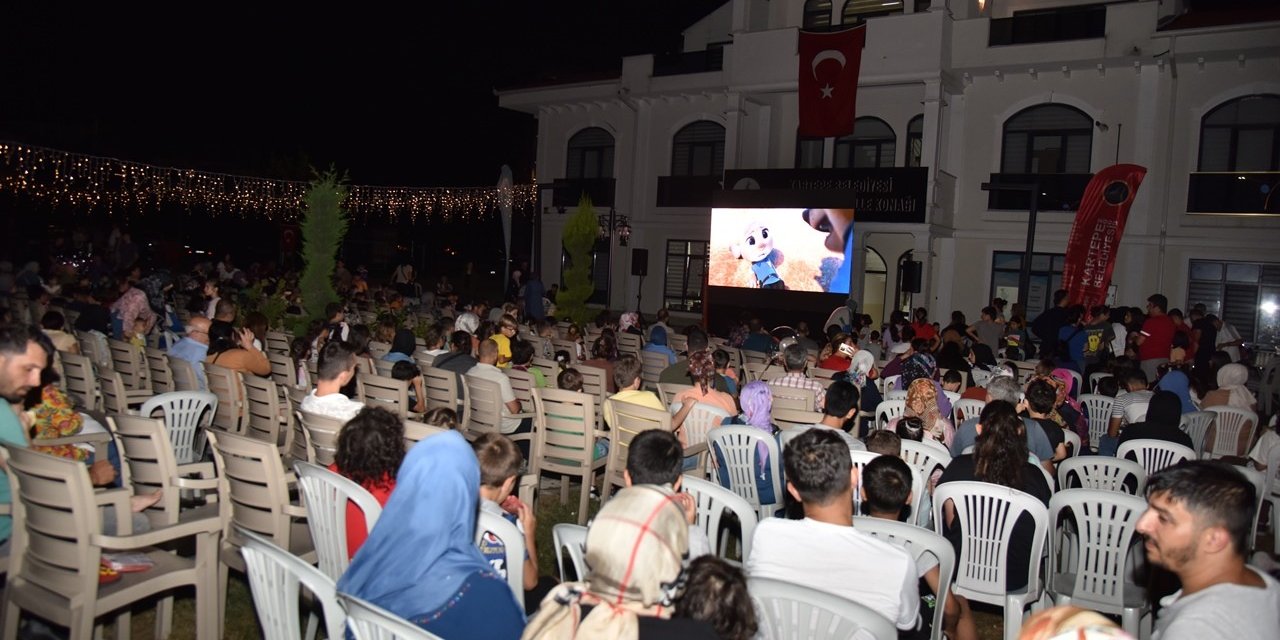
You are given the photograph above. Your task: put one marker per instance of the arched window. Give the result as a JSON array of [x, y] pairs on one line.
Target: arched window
[[915, 141], [590, 154], [875, 277], [698, 150], [856, 11], [817, 14], [1242, 135], [902, 299], [1047, 138], [872, 144]]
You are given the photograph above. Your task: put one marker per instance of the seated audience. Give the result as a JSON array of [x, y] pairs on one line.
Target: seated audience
[[507, 328], [500, 463], [841, 407], [1006, 389], [658, 344], [522, 359], [702, 370], [1135, 382], [337, 367], [410, 372], [194, 347], [715, 592], [441, 417], [824, 549], [487, 368], [1040, 403], [795, 359], [233, 348], [421, 562], [403, 345], [656, 457], [757, 407], [370, 450], [1163, 417], [726, 374], [603, 353]]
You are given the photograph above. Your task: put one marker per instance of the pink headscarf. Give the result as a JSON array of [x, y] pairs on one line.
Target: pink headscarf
[[1068, 381]]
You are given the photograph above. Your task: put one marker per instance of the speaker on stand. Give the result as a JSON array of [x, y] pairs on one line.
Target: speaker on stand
[[639, 267]]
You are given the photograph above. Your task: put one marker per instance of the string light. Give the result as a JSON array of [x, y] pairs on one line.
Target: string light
[[91, 182]]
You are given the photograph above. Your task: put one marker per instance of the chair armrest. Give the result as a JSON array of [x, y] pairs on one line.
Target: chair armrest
[[524, 414], [156, 536], [79, 438], [294, 510], [209, 484], [695, 449], [201, 469], [117, 499]]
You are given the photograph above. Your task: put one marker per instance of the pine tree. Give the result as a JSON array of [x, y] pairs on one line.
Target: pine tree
[[323, 227], [578, 237]]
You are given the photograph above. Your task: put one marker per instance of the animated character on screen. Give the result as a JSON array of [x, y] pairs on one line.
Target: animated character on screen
[[757, 247]]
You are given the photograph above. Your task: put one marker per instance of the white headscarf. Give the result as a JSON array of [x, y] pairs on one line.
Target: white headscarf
[[1231, 378]]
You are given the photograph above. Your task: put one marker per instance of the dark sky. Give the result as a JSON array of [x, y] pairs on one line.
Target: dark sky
[[396, 97]]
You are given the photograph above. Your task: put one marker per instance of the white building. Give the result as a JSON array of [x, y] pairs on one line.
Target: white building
[[974, 91]]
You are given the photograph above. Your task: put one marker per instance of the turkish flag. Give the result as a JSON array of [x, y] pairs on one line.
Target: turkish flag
[[829, 63], [1095, 235]]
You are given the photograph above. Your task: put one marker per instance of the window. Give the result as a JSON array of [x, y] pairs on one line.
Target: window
[[1244, 294], [1047, 138], [809, 152], [698, 150], [590, 154], [817, 14], [1242, 135], [686, 268], [902, 299], [856, 11], [875, 277], [872, 144], [915, 141], [1046, 277]]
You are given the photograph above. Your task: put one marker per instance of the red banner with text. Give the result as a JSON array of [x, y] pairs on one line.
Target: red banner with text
[[828, 81], [1095, 236]]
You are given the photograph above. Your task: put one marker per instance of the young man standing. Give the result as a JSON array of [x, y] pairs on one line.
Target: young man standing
[[1155, 341], [1197, 525]]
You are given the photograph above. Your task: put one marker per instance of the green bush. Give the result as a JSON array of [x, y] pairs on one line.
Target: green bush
[[578, 238]]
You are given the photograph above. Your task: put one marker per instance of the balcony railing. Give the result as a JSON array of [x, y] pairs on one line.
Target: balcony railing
[[1058, 191], [674, 64], [1049, 25], [566, 192], [1233, 192], [687, 191]]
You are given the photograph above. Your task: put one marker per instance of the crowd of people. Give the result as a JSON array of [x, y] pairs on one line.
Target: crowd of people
[[651, 572]]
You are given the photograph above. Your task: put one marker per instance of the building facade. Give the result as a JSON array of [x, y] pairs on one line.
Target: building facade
[[971, 92]]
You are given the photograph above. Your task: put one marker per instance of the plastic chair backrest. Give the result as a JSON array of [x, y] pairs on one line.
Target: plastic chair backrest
[[652, 364], [81, 382], [667, 391], [1196, 424], [158, 369], [522, 384], [385, 392], [255, 488], [925, 456], [228, 385], [713, 500], [786, 419], [628, 419], [1102, 473], [890, 383], [565, 432], [1095, 378], [1072, 439], [1155, 455], [737, 447], [325, 495], [1233, 424], [895, 394], [274, 579], [793, 611], [793, 398], [1106, 522], [184, 374], [186, 414], [1098, 409], [570, 539], [701, 419], [986, 514], [321, 436], [888, 410], [485, 408], [497, 528], [966, 408], [1136, 412], [918, 542], [368, 621]]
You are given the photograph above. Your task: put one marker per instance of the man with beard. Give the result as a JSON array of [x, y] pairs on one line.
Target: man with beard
[[21, 360], [1198, 525]]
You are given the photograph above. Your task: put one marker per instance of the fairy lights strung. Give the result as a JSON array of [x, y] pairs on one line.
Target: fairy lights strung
[[91, 182]]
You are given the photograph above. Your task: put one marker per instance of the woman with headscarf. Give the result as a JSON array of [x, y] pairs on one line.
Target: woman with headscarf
[[634, 549], [702, 370], [757, 406], [658, 344], [629, 322], [862, 373], [922, 403], [1164, 413], [420, 561], [921, 365], [403, 345], [1177, 383], [1231, 392]]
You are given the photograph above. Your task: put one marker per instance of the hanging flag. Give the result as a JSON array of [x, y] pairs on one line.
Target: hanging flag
[[829, 64], [1095, 236]]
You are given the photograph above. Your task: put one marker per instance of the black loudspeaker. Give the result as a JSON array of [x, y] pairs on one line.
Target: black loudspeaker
[[639, 262], [911, 276]]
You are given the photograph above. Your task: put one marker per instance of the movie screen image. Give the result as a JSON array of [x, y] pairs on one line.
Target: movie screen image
[[783, 249]]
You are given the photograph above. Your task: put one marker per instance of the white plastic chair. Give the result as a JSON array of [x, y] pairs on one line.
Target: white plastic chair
[[737, 445], [325, 495], [793, 611], [895, 394], [186, 414], [1095, 378], [1196, 424], [918, 542], [1098, 408], [986, 514], [571, 539], [889, 383], [1102, 473], [368, 621], [713, 500], [1136, 412], [1273, 496], [925, 456], [967, 408], [1228, 425], [700, 420], [1155, 455], [274, 579], [1072, 439], [1077, 383], [1105, 526], [980, 377], [513, 543], [1259, 481], [888, 410]]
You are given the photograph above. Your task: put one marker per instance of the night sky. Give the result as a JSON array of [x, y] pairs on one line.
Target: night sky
[[400, 97]]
